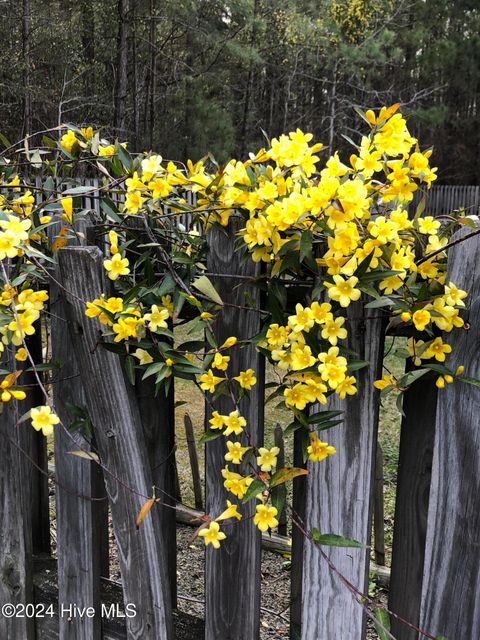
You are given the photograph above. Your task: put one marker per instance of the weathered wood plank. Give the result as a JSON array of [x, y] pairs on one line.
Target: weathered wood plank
[[298, 541], [81, 503], [340, 496], [193, 456], [379, 509], [233, 571], [157, 414], [35, 446], [411, 506], [121, 444], [451, 585], [279, 442], [16, 585]]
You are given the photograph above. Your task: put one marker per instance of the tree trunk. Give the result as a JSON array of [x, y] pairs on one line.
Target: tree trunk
[[121, 82]]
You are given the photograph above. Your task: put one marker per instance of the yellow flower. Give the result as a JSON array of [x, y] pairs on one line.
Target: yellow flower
[[143, 356], [229, 342], [133, 202], [8, 390], [246, 379], [265, 517], [302, 320], [113, 237], [156, 318], [44, 419], [333, 330], [230, 512], [277, 335], [346, 387], [437, 349], [454, 296], [67, 206], [299, 396], [208, 381], [106, 151], [220, 362], [267, 458], [386, 381], [235, 452], [343, 291], [428, 225], [236, 483], [217, 421], [87, 132], [234, 423], [21, 355], [212, 535], [116, 267], [320, 312], [68, 140], [318, 450], [420, 319]]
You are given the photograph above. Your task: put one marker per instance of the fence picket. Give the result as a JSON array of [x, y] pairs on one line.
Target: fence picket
[[16, 585], [123, 451], [233, 571], [411, 506], [81, 504], [451, 584], [340, 496]]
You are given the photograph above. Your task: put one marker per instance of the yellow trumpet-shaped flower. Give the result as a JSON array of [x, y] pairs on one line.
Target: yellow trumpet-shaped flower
[[44, 419], [212, 535], [265, 517]]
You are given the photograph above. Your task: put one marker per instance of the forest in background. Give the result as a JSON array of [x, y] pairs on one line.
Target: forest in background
[[187, 77]]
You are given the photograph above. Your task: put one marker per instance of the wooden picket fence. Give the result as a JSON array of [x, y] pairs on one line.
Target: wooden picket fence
[[435, 573]]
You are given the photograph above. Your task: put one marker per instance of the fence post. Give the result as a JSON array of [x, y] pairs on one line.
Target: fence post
[[378, 509], [279, 442], [340, 495], [192, 453], [411, 505], [34, 445], [16, 585], [232, 575], [81, 502], [118, 430], [451, 582]]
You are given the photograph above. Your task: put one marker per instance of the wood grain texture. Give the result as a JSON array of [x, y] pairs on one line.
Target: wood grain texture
[[157, 414], [121, 444], [34, 443], [193, 456], [296, 572], [233, 572], [411, 506], [81, 523], [16, 585], [340, 495], [451, 585]]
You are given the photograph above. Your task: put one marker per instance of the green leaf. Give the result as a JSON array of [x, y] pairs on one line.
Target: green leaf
[[278, 497], [210, 434], [256, 487], [355, 365], [363, 266], [204, 285], [78, 191], [306, 247], [410, 377], [383, 624], [473, 381], [323, 416], [334, 540], [383, 301], [130, 369], [287, 473]]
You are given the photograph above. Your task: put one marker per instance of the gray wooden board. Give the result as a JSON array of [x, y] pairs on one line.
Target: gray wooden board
[[411, 506], [451, 585], [81, 523], [339, 497], [16, 585], [118, 429], [233, 572]]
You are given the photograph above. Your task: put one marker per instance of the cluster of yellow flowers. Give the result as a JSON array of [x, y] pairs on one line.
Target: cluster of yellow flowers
[[341, 227]]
